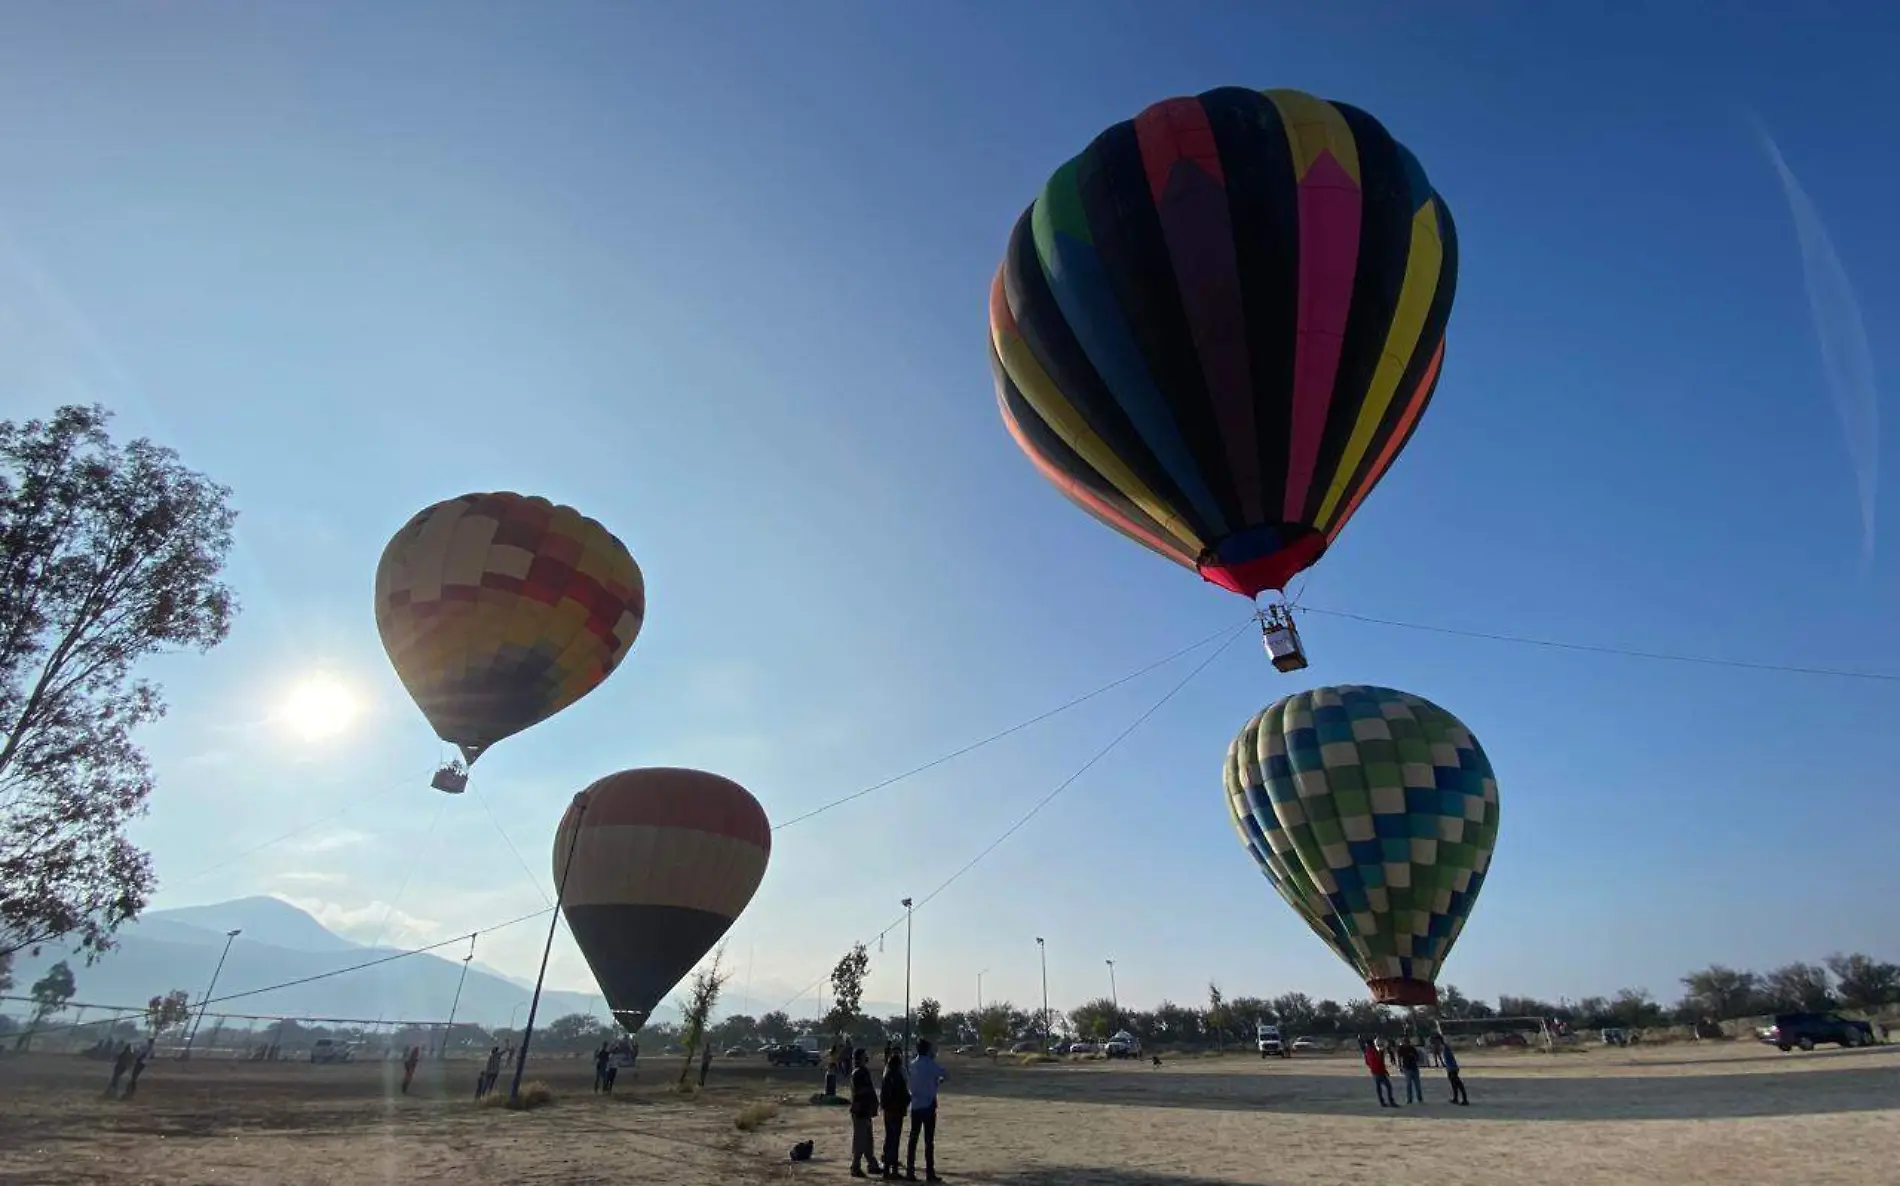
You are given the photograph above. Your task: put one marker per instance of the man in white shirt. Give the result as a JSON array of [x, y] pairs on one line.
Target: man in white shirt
[[925, 1076]]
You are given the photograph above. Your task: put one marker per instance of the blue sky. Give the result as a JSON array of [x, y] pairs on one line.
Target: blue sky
[[717, 275]]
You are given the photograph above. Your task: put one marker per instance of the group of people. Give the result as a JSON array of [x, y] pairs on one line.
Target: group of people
[[605, 1069], [904, 1091], [1438, 1052], [126, 1061]]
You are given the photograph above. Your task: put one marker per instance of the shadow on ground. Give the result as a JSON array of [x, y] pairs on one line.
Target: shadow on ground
[[1857, 1087]]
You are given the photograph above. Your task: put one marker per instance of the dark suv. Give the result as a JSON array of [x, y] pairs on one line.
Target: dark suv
[[1807, 1029]]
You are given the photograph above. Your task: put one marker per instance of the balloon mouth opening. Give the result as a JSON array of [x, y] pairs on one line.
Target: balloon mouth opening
[[631, 1019], [1402, 990]]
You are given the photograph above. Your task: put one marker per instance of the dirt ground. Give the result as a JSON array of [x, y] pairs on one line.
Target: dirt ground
[[1729, 1113]]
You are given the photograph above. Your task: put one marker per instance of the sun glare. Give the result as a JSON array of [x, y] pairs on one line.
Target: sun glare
[[320, 707]]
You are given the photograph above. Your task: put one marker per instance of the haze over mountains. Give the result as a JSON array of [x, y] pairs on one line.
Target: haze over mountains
[[169, 949]]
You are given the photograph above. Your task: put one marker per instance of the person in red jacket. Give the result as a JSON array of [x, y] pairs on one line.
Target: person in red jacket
[[1381, 1080]]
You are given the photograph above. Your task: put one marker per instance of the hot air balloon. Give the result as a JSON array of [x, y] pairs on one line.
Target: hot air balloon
[[1219, 324], [499, 610], [1373, 813], [663, 862]]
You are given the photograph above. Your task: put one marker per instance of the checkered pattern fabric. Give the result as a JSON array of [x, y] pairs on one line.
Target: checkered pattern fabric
[[1373, 812], [500, 610]]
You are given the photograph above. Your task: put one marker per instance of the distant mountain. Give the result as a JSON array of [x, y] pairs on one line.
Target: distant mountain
[[171, 949]]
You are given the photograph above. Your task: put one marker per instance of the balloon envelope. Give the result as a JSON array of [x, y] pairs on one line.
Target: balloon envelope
[[664, 861], [499, 610], [1220, 323], [1373, 813]]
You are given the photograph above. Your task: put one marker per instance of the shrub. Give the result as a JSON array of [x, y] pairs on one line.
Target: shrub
[[534, 1094], [752, 1116]]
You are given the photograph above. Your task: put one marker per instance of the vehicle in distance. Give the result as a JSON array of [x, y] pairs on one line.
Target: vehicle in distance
[[1808, 1030], [1302, 1044], [1122, 1045], [791, 1056], [1267, 1038], [330, 1050]]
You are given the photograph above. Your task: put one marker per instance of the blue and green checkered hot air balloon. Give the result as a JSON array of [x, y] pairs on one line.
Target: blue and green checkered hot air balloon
[[1373, 812]]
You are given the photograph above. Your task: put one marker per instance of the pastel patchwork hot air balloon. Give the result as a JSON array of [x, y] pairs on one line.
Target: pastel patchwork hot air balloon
[[1219, 324], [500, 610], [664, 860], [1373, 813]]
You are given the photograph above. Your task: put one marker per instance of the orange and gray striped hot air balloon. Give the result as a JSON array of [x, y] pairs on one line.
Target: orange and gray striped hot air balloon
[[662, 864], [499, 610]]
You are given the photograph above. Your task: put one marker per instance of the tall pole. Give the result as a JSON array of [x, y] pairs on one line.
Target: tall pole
[[205, 1002], [907, 913], [1114, 998], [979, 989], [442, 1051], [1042, 950], [560, 896]]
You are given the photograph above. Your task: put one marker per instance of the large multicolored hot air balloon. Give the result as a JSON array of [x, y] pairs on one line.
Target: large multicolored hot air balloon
[[663, 862], [1220, 323], [1373, 813], [499, 610]]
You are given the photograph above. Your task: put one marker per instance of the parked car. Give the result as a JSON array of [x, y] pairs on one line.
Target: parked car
[[735, 1052], [1304, 1044], [1808, 1030], [330, 1050]]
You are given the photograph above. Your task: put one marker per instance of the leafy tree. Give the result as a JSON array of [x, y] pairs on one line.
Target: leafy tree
[[776, 1026], [1865, 983], [167, 1013], [1634, 1008], [1094, 1019], [1797, 987], [847, 988], [996, 1023], [1526, 1007], [1217, 1015], [697, 1010], [108, 554], [577, 1031], [929, 1018], [736, 1030], [1721, 992], [50, 994], [1452, 1002], [1295, 1012]]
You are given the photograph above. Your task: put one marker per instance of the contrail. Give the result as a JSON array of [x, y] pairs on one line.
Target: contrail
[[1842, 336]]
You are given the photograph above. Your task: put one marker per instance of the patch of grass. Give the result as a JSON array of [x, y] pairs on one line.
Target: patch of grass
[[534, 1094], [689, 1089], [752, 1116], [1030, 1060]]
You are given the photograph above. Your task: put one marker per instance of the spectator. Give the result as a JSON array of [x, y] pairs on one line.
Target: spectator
[[1408, 1070], [409, 1062], [894, 1099], [863, 1111], [925, 1078], [138, 1068], [119, 1067], [1458, 1095], [601, 1058]]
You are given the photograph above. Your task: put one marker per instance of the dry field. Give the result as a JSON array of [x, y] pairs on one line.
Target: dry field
[[1728, 1113]]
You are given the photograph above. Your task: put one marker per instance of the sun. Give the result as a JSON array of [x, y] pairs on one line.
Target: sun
[[319, 707]]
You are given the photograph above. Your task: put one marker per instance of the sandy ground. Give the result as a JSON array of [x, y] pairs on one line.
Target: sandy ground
[[1730, 1113]]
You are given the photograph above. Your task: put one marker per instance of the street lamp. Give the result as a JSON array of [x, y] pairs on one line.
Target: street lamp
[[205, 1001], [907, 914], [979, 989], [442, 1051], [1114, 998], [1042, 950]]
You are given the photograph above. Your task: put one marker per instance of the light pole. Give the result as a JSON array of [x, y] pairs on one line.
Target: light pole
[[1042, 950], [442, 1051], [907, 913], [1114, 998], [205, 1001], [979, 989]]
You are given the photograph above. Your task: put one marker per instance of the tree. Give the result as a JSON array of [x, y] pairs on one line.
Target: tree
[[166, 1013], [701, 997], [929, 1018], [1865, 983], [1797, 988], [108, 555], [1217, 1016], [776, 1026], [50, 994], [1720, 992], [847, 988], [1093, 1019], [1634, 1009], [576, 1031], [996, 1023], [1452, 1002], [1295, 1012]]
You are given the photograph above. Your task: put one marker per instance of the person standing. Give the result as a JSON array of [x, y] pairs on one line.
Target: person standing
[[1381, 1080], [600, 1068], [119, 1066], [832, 1067], [894, 1099], [1452, 1077], [409, 1062], [491, 1071], [1408, 1070], [138, 1068], [1436, 1045], [863, 1112], [925, 1078]]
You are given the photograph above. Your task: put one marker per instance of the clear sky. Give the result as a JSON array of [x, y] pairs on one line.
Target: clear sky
[[717, 275]]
